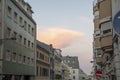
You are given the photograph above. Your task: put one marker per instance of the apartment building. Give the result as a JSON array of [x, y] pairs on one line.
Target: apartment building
[[73, 63], [65, 71], [82, 75], [103, 35], [57, 64], [17, 40], [43, 65]]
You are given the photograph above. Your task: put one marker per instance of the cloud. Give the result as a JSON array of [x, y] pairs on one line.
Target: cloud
[[59, 37]]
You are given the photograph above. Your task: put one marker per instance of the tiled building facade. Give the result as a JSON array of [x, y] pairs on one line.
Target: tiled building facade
[[17, 57]]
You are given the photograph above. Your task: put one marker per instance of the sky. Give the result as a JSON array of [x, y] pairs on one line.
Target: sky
[[68, 25]]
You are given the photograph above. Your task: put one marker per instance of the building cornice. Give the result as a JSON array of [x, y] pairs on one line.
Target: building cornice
[[17, 5]]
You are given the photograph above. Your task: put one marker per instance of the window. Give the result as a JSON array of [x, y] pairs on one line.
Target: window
[[8, 55], [73, 71], [106, 31], [25, 25], [24, 41], [15, 16], [8, 32], [28, 60], [40, 71], [29, 28], [32, 45], [32, 31], [83, 78], [97, 34], [73, 77], [20, 38], [14, 34], [37, 71], [9, 11], [107, 58], [37, 54], [20, 58], [41, 56], [45, 72], [14, 57], [20, 20], [28, 43], [96, 14]]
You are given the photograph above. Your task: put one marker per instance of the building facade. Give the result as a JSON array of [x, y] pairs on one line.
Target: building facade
[[116, 36], [73, 63], [104, 53], [43, 64], [65, 72], [82, 75], [57, 64], [17, 57]]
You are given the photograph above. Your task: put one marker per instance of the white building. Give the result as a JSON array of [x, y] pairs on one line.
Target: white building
[[65, 72], [73, 63], [82, 75], [17, 57], [57, 64]]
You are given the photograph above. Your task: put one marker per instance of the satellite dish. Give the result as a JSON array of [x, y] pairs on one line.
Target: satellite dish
[[116, 23]]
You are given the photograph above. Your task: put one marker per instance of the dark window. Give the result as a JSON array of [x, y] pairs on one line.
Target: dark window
[[9, 11], [41, 56], [32, 31], [20, 20], [15, 15], [29, 28], [73, 77], [14, 56], [25, 25], [37, 54], [107, 58], [28, 43], [24, 41], [45, 72], [106, 31], [40, 71], [20, 38], [37, 70], [8, 32]]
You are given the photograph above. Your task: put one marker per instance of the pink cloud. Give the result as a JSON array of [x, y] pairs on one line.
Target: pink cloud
[[59, 37]]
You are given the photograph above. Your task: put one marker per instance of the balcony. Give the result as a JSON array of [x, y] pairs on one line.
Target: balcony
[[42, 61]]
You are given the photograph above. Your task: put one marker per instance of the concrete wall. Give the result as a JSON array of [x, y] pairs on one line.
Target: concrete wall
[[115, 10]]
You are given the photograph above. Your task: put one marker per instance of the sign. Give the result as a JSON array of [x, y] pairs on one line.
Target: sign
[[116, 23], [98, 74]]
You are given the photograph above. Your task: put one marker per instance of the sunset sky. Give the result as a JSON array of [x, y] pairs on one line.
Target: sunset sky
[[68, 25]]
